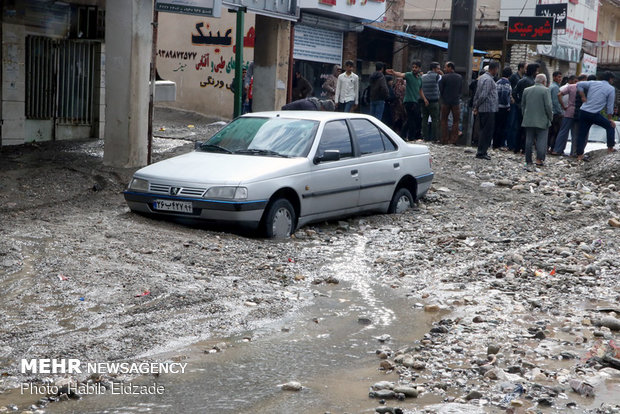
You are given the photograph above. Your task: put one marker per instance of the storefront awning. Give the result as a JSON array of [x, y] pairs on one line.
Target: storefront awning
[[409, 36]]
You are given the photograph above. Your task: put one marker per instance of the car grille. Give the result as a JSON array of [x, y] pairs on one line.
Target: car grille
[[184, 191]]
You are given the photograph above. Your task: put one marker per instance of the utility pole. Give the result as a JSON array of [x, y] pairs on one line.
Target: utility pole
[[461, 51], [239, 82]]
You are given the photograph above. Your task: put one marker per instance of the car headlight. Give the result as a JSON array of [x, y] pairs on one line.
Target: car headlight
[[139, 184], [228, 192]]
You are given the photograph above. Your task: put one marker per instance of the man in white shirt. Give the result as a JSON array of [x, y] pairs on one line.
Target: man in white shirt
[[347, 89]]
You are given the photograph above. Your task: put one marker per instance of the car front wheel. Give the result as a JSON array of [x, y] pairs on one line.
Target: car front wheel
[[402, 200], [280, 219]]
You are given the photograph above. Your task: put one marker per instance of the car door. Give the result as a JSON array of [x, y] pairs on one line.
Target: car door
[[378, 166], [333, 186]]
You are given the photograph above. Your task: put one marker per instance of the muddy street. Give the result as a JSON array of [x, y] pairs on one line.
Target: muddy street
[[499, 292]]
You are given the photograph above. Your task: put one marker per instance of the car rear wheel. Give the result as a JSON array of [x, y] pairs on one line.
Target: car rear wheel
[[280, 219], [402, 200]]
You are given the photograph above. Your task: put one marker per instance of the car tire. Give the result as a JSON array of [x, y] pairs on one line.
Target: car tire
[[280, 219], [401, 201]]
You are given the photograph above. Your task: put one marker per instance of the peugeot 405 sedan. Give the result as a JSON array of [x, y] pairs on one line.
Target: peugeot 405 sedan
[[276, 171]]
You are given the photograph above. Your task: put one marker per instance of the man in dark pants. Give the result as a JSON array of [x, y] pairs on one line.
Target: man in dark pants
[[601, 95], [485, 106], [528, 80], [413, 96], [504, 91], [450, 87], [558, 113]]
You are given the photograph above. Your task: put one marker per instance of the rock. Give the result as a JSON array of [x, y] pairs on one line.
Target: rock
[[611, 323], [385, 410], [516, 403], [291, 386], [384, 338], [495, 374], [444, 189], [518, 187], [614, 222], [409, 392], [439, 329], [431, 308], [383, 385], [581, 387], [419, 365], [478, 319], [332, 280], [364, 320], [504, 182], [545, 401], [487, 184], [386, 365], [474, 395], [383, 394], [492, 349]]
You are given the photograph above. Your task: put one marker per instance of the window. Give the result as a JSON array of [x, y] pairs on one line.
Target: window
[[336, 137], [370, 139], [387, 142]]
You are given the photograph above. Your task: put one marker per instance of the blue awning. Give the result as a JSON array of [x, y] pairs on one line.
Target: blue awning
[[429, 41]]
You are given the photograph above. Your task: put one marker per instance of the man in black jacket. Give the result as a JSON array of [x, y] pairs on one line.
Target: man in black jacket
[[379, 91], [528, 80]]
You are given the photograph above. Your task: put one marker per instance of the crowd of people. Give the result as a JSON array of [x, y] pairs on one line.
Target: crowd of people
[[515, 111]]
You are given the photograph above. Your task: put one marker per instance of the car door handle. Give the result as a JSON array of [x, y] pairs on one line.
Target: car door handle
[[354, 172], [396, 164]]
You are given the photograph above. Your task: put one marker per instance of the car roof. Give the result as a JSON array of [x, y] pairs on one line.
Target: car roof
[[310, 115]]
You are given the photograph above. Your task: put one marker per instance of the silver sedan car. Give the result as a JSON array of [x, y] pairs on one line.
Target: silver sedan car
[[277, 171]]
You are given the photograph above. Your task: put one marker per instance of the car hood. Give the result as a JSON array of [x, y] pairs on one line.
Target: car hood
[[216, 168]]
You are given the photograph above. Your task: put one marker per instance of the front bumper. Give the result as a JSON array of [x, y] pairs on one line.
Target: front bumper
[[218, 210]]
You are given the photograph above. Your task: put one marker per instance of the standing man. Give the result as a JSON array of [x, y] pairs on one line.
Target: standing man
[[485, 106], [430, 87], [413, 96], [347, 89], [329, 86], [601, 95], [537, 117], [569, 121], [450, 87], [556, 105], [379, 91], [516, 76], [301, 87], [504, 92], [528, 80]]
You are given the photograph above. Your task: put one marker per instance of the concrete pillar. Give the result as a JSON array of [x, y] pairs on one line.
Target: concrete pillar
[[349, 48], [394, 13], [271, 62], [128, 35]]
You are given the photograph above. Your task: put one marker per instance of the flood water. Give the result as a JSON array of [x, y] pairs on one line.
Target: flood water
[[325, 346]]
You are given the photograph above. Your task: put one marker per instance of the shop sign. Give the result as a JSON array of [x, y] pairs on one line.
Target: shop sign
[[557, 11], [530, 29], [209, 8], [588, 64], [317, 45], [565, 46]]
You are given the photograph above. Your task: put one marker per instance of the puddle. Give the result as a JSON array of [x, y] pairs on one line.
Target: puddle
[[324, 347]]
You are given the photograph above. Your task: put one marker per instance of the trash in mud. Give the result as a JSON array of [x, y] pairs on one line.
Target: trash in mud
[[145, 293], [62, 277], [582, 387]]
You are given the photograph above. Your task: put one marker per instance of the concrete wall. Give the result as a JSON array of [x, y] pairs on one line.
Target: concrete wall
[[13, 84], [435, 14], [271, 63], [128, 55], [203, 72]]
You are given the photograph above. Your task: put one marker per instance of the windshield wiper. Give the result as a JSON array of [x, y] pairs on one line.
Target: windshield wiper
[[205, 147], [257, 151]]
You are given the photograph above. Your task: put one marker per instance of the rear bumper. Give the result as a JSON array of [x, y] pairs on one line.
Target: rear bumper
[[218, 210], [424, 184]]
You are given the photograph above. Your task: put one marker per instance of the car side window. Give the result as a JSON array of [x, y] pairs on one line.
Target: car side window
[[369, 137], [336, 137], [387, 142]]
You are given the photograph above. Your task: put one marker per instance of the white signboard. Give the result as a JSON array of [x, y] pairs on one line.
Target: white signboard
[[212, 8], [362, 9], [588, 64], [317, 45], [566, 46]]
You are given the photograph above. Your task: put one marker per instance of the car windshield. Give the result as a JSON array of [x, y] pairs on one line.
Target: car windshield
[[273, 137]]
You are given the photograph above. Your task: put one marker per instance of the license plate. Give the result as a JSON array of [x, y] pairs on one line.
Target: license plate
[[173, 205]]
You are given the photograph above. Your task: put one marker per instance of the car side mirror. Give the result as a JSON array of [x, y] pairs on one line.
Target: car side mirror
[[328, 155]]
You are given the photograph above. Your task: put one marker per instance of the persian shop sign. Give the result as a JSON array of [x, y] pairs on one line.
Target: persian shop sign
[[558, 11], [530, 29]]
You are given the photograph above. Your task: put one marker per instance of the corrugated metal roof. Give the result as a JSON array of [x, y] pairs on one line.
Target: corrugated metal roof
[[429, 41]]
